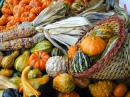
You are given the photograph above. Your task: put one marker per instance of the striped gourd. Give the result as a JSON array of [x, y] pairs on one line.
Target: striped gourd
[[80, 62], [56, 52]]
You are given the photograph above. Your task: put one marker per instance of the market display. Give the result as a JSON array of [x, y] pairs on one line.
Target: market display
[[64, 48]]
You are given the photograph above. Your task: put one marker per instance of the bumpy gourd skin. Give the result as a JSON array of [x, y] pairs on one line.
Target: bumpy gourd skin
[[64, 83]]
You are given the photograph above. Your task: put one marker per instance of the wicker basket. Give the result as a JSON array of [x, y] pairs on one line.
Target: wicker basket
[[115, 65]]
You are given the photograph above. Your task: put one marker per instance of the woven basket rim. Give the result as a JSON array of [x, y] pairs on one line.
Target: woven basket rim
[[102, 62]]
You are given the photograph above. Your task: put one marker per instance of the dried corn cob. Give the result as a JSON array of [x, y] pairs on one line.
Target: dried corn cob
[[21, 43], [17, 32]]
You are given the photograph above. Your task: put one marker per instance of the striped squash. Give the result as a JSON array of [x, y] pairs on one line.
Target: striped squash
[[80, 62]]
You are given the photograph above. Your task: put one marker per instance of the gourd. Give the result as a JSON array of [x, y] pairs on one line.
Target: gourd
[[15, 80], [55, 66], [101, 88], [6, 72], [72, 50], [35, 73], [82, 82], [11, 93], [8, 61], [110, 43], [30, 86], [22, 61], [38, 59], [64, 83], [56, 52], [104, 32], [72, 94], [80, 62], [93, 45], [43, 45]]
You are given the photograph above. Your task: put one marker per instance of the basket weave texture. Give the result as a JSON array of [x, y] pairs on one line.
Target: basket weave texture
[[111, 66]]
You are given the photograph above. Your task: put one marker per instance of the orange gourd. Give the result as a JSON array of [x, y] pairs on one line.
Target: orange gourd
[[93, 45], [11, 23], [72, 50], [36, 10], [35, 3], [38, 59], [12, 2], [25, 1], [45, 3], [27, 16], [17, 17], [16, 9], [7, 9], [72, 94]]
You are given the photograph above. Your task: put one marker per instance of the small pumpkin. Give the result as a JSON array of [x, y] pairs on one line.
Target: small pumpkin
[[25, 1], [93, 45], [27, 16], [11, 23], [72, 94], [24, 8], [36, 10], [72, 50], [2, 28], [80, 62], [38, 59], [17, 17], [12, 2], [45, 3], [7, 9], [35, 3], [64, 83], [3, 20], [16, 9]]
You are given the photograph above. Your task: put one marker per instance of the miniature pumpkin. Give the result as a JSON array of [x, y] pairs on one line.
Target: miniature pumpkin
[[35, 3], [38, 59], [80, 62], [2, 28], [25, 1], [64, 83], [3, 20], [55, 66], [72, 50], [93, 45], [36, 10], [72, 94], [45, 3], [17, 17], [11, 23], [27, 16], [24, 8], [12, 2], [16, 9], [7, 9]]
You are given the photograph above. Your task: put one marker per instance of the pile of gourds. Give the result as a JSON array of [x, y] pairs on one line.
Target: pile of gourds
[[41, 70]]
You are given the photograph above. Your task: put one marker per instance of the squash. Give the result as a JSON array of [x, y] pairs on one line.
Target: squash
[[6, 72], [72, 50], [7, 9], [35, 73], [104, 32], [82, 82], [56, 52], [64, 83], [80, 62], [71, 94], [8, 61], [16, 80], [22, 61], [55, 66], [38, 59], [43, 45], [93, 45]]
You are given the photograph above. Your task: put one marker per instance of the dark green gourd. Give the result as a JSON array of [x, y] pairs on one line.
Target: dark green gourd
[[80, 62]]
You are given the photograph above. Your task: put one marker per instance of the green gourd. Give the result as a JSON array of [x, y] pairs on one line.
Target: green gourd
[[43, 45], [22, 61], [8, 61], [56, 52], [80, 62]]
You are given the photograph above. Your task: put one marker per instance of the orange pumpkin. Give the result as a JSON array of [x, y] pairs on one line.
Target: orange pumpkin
[[93, 45], [3, 20], [11, 23], [24, 8], [7, 9], [72, 94], [72, 50], [2, 28], [35, 3], [36, 10], [27, 16], [17, 17], [25, 1], [15, 9], [10, 17], [38, 59], [45, 3], [12, 2]]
